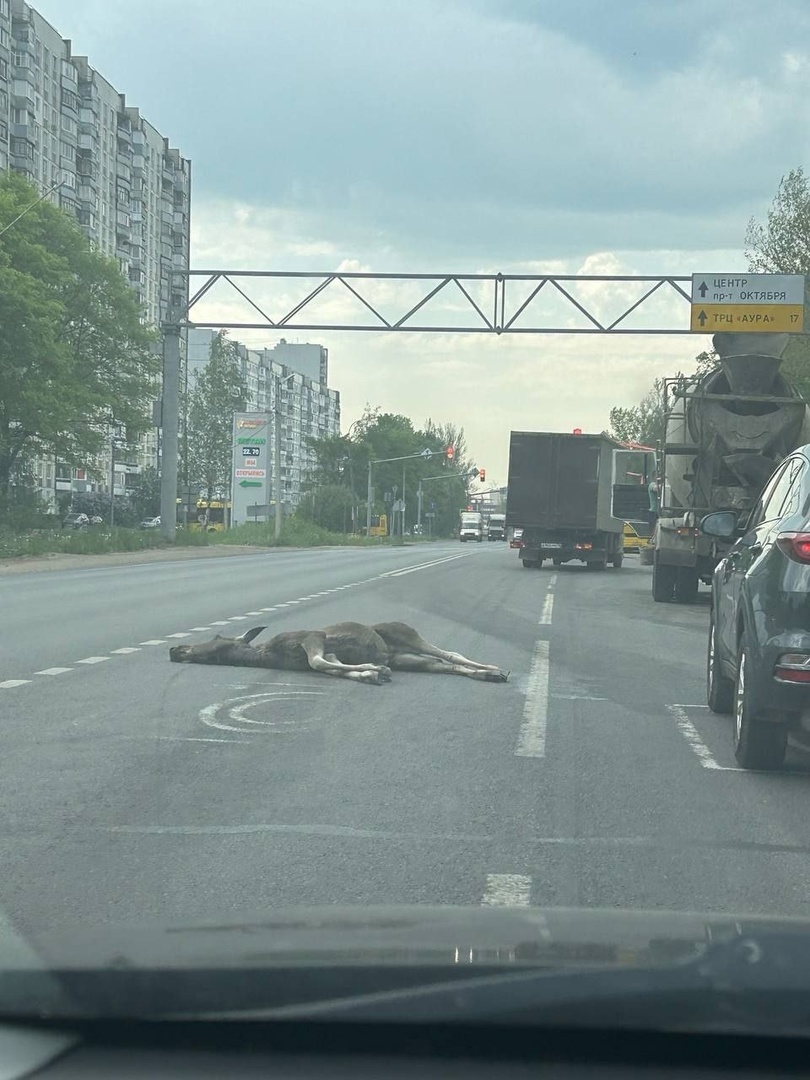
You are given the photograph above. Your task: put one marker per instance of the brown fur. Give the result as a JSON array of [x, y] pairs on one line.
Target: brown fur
[[347, 650]]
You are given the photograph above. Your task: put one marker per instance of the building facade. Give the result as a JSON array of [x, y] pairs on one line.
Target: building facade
[[67, 129], [296, 376]]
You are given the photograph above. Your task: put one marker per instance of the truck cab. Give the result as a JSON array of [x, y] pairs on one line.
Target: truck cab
[[496, 527], [472, 527]]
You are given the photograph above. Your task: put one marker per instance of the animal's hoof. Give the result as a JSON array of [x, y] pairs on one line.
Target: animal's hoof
[[497, 676], [385, 673]]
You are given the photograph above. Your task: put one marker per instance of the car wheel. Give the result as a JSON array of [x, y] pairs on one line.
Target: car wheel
[[663, 581], [719, 688], [686, 585], [758, 744]]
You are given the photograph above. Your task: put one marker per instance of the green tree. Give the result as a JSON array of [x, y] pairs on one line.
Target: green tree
[[218, 391], [144, 494], [781, 245], [643, 423], [75, 355]]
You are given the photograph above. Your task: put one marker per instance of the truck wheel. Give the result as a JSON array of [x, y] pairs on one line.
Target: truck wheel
[[617, 560], [601, 565], [719, 688], [530, 564], [686, 585], [758, 744], [663, 581], [558, 562]]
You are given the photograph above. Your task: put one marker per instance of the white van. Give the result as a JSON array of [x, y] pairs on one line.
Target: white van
[[472, 527]]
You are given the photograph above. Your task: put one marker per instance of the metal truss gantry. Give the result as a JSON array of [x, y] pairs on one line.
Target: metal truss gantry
[[503, 304]]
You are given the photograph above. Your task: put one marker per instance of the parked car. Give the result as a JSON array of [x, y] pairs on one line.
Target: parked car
[[76, 521], [637, 536], [758, 663], [151, 523]]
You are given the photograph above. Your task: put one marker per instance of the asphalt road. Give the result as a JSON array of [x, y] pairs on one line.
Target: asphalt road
[[132, 789]]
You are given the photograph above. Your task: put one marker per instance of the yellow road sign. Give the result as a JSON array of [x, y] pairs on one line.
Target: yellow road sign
[[755, 318]]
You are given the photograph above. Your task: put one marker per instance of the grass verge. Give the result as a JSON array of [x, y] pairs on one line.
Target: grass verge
[[101, 541]]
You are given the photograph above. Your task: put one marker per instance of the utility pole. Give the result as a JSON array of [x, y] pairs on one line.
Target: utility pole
[[169, 423], [277, 450], [277, 457], [112, 478]]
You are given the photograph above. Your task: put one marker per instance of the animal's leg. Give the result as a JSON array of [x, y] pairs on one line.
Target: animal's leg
[[314, 647], [435, 666], [426, 649], [399, 637], [332, 659]]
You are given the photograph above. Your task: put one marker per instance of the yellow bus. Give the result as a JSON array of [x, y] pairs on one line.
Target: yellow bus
[[213, 516]]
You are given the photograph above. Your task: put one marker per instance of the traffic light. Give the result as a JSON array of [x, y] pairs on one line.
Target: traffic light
[[482, 475], [451, 452]]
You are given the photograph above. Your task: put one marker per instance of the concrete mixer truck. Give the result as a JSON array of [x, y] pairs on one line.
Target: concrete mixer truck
[[726, 431]]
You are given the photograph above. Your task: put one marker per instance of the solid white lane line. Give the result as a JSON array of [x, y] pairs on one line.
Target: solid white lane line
[[690, 733], [424, 566], [532, 735], [93, 660], [546, 610], [53, 671], [126, 650], [7, 684], [507, 890], [153, 641]]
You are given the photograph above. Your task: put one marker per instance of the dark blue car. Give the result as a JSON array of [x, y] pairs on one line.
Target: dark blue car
[[759, 638]]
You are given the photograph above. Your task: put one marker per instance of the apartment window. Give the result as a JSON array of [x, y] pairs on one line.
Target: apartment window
[[4, 38], [4, 7], [3, 68], [19, 116]]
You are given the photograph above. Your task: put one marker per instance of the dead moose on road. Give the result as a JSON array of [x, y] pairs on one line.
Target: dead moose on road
[[347, 650]]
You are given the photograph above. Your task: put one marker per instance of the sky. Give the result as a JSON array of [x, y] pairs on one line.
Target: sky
[[469, 136]]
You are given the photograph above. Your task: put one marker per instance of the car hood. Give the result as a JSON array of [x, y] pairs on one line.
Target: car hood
[[412, 935]]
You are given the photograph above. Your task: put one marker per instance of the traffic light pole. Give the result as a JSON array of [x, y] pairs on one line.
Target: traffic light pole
[[420, 493], [382, 461]]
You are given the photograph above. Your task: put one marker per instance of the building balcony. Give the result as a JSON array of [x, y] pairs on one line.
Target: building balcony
[[22, 95], [123, 171], [88, 141]]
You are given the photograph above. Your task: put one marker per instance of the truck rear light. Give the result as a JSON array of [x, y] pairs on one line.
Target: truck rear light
[[684, 531], [796, 545], [793, 668], [584, 547]]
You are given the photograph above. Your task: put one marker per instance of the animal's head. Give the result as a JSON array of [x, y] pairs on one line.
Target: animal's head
[[221, 650]]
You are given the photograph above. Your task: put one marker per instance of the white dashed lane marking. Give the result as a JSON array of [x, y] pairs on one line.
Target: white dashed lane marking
[[507, 890], [126, 650], [532, 735]]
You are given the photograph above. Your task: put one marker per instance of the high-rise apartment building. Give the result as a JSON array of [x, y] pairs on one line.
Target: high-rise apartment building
[[66, 128], [309, 409]]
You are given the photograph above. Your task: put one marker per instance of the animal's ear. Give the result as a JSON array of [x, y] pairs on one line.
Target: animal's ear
[[249, 635]]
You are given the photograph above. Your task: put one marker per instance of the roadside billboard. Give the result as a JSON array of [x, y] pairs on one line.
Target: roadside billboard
[[251, 481]]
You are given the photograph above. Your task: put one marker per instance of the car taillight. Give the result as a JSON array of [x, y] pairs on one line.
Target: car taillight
[[796, 545], [793, 668]]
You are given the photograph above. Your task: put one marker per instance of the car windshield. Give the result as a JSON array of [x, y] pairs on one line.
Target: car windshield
[[303, 304]]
